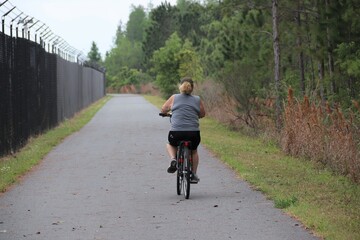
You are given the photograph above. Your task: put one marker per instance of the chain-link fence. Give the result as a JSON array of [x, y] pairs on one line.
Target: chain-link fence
[[40, 88]]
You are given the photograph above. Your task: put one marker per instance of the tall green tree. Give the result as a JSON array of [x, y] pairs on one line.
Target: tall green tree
[[166, 65], [163, 23], [192, 16], [124, 62], [135, 28], [120, 33], [189, 62], [94, 55], [126, 54], [238, 51]]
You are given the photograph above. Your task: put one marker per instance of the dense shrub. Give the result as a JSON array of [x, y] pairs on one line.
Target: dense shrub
[[322, 134]]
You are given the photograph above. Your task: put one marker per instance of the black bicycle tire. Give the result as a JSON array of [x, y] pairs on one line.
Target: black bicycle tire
[[179, 180], [186, 175], [178, 184], [179, 177]]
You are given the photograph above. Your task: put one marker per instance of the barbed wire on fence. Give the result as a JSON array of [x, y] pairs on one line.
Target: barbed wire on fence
[[17, 23]]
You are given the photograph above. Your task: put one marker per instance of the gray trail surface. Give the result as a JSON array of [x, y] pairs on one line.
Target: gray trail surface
[[109, 181]]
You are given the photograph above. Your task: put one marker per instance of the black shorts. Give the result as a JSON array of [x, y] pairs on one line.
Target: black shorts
[[175, 137]]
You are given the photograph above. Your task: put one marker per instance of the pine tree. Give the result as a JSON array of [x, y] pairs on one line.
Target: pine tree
[[94, 54]]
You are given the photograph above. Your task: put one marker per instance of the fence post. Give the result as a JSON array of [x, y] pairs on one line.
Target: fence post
[[37, 31], [11, 25], [31, 27], [3, 17]]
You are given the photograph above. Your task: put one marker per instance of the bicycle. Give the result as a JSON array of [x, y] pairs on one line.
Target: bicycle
[[184, 166]]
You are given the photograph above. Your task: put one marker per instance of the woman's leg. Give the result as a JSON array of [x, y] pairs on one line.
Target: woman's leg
[[171, 150]]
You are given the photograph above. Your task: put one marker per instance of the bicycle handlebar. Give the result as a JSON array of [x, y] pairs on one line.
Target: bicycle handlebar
[[165, 114]]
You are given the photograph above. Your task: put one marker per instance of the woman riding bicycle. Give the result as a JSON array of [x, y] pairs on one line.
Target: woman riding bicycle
[[186, 110]]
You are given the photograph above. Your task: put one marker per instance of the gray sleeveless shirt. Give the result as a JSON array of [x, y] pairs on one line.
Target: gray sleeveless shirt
[[185, 113]]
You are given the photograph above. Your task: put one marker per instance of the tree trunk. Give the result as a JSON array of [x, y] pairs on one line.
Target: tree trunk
[[301, 54], [330, 53], [276, 46], [310, 61], [321, 81]]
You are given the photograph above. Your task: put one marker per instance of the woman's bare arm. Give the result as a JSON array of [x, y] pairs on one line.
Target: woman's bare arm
[[167, 105], [202, 109]]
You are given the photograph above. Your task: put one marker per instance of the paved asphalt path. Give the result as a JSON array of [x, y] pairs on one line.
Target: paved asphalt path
[[109, 181]]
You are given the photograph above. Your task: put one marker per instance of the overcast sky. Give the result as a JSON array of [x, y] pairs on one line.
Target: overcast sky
[[80, 22]]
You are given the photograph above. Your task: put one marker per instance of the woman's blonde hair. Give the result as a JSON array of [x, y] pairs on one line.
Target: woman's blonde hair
[[186, 85]]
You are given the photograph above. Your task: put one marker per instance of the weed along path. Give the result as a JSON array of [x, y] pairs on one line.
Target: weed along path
[[109, 181]]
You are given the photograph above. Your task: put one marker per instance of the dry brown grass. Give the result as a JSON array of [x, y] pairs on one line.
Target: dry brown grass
[[322, 134], [217, 104], [223, 108]]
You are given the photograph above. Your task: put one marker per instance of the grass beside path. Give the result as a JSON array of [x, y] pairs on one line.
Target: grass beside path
[[327, 204], [14, 166]]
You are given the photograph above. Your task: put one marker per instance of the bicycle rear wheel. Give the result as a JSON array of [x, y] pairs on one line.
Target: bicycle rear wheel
[[179, 180], [186, 173], [179, 176]]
